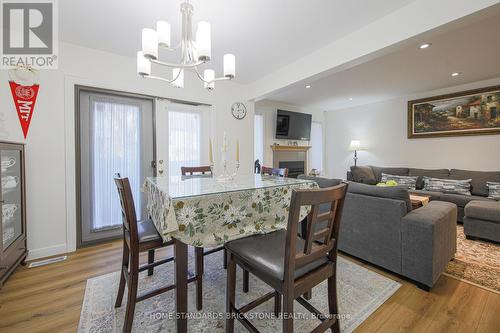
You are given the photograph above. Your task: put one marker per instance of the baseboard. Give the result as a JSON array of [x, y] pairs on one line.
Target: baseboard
[[46, 252]]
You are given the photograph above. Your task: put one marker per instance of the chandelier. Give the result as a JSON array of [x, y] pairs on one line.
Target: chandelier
[[194, 52]]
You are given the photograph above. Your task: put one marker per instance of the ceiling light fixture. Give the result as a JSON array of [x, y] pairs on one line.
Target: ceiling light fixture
[[350, 98], [195, 52], [424, 46], [455, 74], [308, 86]]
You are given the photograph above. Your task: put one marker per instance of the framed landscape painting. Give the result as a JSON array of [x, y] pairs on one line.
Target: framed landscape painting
[[473, 112]]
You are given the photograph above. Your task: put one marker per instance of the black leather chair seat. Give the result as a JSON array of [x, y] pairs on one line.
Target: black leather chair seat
[[147, 231], [266, 253]]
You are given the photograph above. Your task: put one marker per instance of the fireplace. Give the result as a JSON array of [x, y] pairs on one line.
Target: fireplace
[[295, 168], [294, 158]]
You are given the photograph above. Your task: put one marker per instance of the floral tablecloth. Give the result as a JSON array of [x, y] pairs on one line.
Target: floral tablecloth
[[215, 214]]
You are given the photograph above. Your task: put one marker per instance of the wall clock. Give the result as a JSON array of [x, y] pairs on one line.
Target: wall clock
[[239, 110]]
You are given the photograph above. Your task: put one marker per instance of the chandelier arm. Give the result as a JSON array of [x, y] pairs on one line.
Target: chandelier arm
[[172, 65], [223, 78], [161, 78]]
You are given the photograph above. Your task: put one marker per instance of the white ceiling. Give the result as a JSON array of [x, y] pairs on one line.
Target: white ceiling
[[263, 34], [470, 46]]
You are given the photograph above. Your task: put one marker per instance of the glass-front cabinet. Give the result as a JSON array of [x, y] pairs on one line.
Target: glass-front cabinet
[[12, 202]]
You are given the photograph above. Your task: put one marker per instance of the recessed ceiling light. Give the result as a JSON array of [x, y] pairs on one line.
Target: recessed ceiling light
[[424, 46], [350, 98], [308, 86], [455, 74]]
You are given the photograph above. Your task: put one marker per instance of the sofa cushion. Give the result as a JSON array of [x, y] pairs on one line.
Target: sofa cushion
[[322, 181], [393, 192], [493, 190], [408, 181], [459, 199], [363, 174], [479, 179], [447, 185], [432, 195], [434, 173], [377, 171], [483, 210]]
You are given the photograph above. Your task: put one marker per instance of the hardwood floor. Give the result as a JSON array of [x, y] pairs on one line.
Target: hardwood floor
[[49, 299]]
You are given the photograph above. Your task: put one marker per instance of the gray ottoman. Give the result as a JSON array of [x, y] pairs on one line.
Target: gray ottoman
[[482, 220]]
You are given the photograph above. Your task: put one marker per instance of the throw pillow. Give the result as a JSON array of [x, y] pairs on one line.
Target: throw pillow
[[447, 185], [363, 174], [493, 190], [407, 181]]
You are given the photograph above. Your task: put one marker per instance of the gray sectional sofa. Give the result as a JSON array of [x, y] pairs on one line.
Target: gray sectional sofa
[[379, 226], [481, 219]]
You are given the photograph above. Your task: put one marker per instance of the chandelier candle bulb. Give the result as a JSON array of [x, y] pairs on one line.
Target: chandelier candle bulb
[[143, 65], [237, 150], [178, 77], [229, 65], [209, 76], [203, 41], [150, 43], [163, 31]]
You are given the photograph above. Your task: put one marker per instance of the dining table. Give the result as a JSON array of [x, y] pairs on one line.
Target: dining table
[[206, 212]]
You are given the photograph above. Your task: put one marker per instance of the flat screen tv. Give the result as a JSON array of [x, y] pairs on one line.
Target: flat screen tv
[[293, 125]]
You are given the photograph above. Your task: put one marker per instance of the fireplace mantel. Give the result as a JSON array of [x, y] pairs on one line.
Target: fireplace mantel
[[290, 148]]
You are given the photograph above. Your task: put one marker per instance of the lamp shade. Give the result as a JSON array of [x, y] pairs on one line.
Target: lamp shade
[[229, 65], [178, 77], [150, 43], [143, 65], [209, 75], [163, 32], [203, 41], [355, 145]]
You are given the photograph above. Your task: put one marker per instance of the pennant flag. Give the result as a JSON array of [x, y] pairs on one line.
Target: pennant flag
[[24, 99]]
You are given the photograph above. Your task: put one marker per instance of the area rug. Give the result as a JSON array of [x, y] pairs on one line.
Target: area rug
[[361, 292], [476, 261]]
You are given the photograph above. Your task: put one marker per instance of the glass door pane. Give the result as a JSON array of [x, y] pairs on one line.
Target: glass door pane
[[116, 136], [184, 139], [11, 194]]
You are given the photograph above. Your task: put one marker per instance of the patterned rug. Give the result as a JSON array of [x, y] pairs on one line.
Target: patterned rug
[[361, 292], [476, 261]]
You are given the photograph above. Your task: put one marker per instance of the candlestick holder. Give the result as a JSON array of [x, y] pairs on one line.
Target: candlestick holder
[[225, 176]]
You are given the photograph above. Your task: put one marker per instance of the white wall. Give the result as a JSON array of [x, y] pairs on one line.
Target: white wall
[[268, 109], [382, 128], [50, 146]]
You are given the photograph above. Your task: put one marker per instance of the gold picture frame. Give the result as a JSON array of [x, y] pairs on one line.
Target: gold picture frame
[[471, 112]]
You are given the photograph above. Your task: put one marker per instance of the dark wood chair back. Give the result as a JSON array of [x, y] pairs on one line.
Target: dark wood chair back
[[283, 172], [129, 217], [195, 170], [314, 250]]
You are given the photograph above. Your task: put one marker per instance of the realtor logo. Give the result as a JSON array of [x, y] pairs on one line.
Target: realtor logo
[[29, 34]]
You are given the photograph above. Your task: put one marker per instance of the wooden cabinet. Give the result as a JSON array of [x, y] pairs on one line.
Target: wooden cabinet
[[13, 249]]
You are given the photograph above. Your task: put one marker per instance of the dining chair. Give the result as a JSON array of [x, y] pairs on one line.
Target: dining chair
[[281, 172], [196, 170], [139, 237], [290, 264]]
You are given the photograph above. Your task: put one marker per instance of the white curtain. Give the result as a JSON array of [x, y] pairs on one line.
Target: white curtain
[[184, 139], [115, 147], [316, 152], [259, 138]]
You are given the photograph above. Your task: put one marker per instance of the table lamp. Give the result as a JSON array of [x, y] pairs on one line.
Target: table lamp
[[355, 145]]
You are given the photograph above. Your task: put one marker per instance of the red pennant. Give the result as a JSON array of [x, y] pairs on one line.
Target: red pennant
[[25, 99]]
